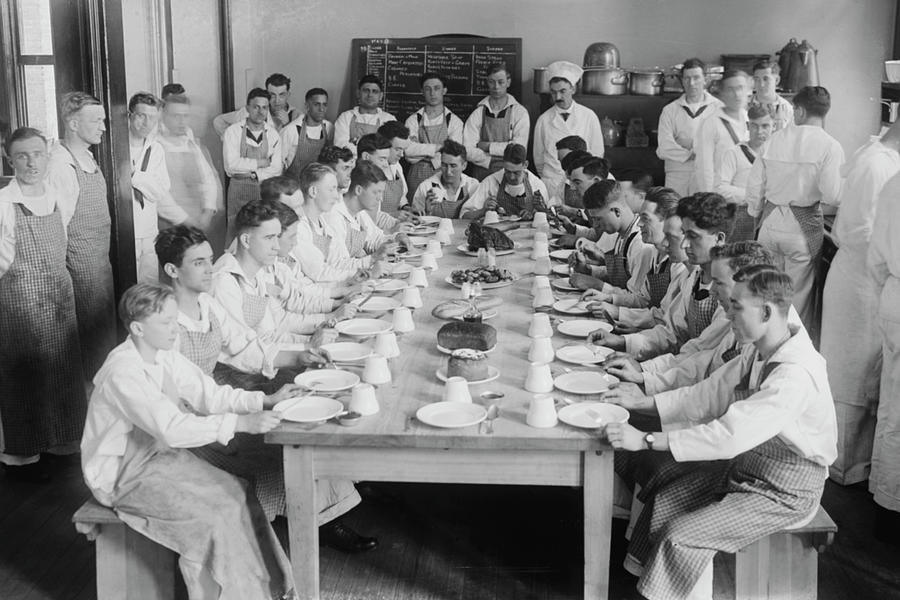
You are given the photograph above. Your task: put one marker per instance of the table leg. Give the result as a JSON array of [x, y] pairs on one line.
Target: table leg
[[598, 509], [303, 531]]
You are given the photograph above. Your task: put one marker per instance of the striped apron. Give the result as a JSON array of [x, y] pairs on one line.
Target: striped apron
[[493, 129], [386, 222], [701, 307], [658, 280], [359, 129], [513, 205], [87, 258], [428, 134], [242, 191], [307, 149], [356, 242], [42, 393], [616, 261]]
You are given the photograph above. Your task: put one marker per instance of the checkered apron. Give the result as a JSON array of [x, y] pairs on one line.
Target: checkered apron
[[202, 347], [428, 134], [570, 197], [42, 396], [356, 242], [253, 307], [658, 280], [307, 149], [87, 258], [701, 307], [322, 242], [493, 129], [449, 209], [812, 225], [744, 225], [513, 205], [732, 352], [393, 195], [616, 260], [358, 128], [759, 492], [242, 191]]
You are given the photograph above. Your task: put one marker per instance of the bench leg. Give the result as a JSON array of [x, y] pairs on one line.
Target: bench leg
[[779, 567], [132, 567]]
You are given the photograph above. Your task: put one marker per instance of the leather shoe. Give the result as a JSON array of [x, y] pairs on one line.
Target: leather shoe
[[340, 537], [31, 473]]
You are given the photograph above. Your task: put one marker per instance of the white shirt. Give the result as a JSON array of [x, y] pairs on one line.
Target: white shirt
[[337, 265], [781, 109], [490, 187], [299, 293], [61, 175], [864, 176], [231, 152], [225, 120], [130, 392], [241, 347], [342, 125], [290, 136], [153, 182], [550, 128], [394, 172], [211, 193], [793, 403], [467, 187], [39, 205], [884, 250], [640, 257], [800, 166], [675, 122], [419, 150], [519, 129], [645, 318], [734, 170], [711, 141]]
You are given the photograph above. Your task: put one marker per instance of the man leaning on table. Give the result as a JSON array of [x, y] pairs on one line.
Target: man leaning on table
[[513, 191]]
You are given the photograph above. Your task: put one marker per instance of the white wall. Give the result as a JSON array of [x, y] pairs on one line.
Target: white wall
[[309, 40]]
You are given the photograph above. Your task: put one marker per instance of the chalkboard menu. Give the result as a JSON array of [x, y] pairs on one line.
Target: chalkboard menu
[[463, 61]]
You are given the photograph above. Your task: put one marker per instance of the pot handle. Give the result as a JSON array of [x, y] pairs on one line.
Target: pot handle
[[657, 83], [619, 80]]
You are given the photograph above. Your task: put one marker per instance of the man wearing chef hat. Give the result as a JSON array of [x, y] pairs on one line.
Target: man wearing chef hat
[[565, 118]]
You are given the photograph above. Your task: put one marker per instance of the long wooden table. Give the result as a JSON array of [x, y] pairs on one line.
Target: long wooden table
[[393, 446]]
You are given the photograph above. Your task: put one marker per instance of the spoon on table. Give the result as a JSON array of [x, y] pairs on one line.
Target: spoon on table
[[492, 413], [491, 395]]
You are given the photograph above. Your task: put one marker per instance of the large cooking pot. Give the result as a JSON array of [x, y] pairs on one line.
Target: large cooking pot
[[541, 82], [604, 81], [601, 54], [646, 82]]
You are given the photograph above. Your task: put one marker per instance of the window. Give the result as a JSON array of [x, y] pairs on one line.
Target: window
[[36, 68]]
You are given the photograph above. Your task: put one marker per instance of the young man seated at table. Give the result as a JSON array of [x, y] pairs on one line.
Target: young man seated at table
[[565, 147], [282, 188], [241, 285], [433, 196], [341, 160], [759, 434], [321, 249], [662, 271], [377, 149], [706, 220], [395, 189], [514, 190], [625, 266], [582, 171]]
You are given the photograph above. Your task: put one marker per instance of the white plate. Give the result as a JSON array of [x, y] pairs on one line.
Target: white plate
[[400, 269], [389, 286], [591, 415], [493, 373], [561, 270], [410, 253], [309, 409], [581, 327], [464, 248], [583, 355], [449, 351], [509, 219], [363, 327], [429, 220], [423, 229], [418, 240], [485, 286], [380, 304], [451, 414], [563, 285], [571, 306], [561, 254], [347, 351], [585, 382], [485, 315], [327, 380]]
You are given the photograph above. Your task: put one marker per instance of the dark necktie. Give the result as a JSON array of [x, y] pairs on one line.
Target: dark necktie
[[566, 116]]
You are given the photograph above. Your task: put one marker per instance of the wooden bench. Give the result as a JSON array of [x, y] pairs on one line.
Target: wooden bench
[[784, 565], [129, 566]]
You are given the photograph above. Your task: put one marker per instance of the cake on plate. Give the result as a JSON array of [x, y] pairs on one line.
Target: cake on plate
[[468, 363]]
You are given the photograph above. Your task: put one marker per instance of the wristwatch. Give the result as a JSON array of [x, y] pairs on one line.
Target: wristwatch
[[649, 439]]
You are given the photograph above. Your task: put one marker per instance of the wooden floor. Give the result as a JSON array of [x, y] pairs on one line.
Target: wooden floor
[[437, 543]]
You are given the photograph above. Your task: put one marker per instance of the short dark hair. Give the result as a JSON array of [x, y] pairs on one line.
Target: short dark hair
[[515, 154], [769, 284], [732, 73], [572, 142], [72, 102], [454, 149], [766, 64], [372, 142], [692, 63], [814, 99], [594, 167], [278, 80], [172, 243], [365, 173], [742, 254], [497, 67], [370, 79], [21, 134], [602, 193], [313, 174], [257, 93], [432, 75], [758, 111], [574, 160], [175, 99], [316, 91], [665, 199], [394, 129], [143, 98], [253, 214], [331, 155], [171, 89], [272, 188], [708, 211], [142, 300], [287, 216]]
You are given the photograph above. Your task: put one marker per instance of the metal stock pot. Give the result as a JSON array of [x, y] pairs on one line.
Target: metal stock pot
[[604, 81], [646, 82]]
